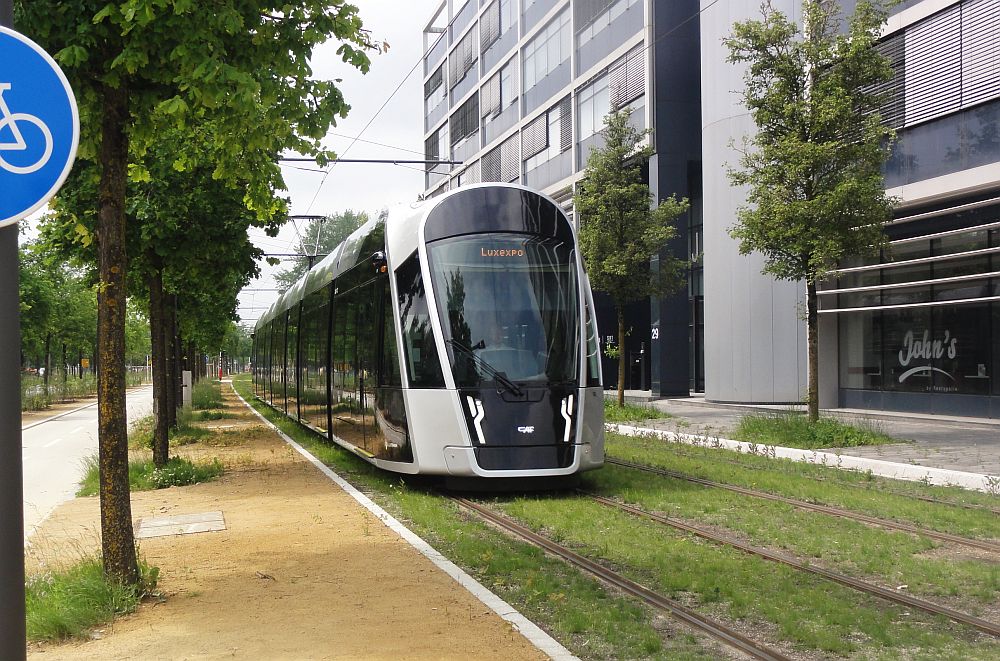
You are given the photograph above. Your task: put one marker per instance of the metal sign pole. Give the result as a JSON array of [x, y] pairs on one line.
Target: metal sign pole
[[12, 627]]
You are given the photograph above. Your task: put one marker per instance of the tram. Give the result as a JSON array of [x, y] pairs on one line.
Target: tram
[[454, 336]]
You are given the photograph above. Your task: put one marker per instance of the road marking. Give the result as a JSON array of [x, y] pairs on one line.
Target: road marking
[[51, 443], [76, 429]]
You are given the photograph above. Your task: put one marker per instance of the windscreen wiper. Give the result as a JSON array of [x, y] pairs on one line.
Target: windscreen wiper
[[497, 375]]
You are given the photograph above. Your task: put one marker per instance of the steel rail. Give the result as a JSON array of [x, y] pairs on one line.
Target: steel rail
[[857, 584], [716, 629], [849, 485], [980, 544]]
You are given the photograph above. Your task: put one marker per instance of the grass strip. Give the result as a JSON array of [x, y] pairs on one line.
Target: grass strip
[[631, 412], [143, 475], [794, 430], [794, 479], [67, 603], [853, 548], [812, 614]]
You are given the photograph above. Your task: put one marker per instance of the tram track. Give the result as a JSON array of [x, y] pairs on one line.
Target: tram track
[[692, 618], [857, 487], [863, 586], [982, 545]]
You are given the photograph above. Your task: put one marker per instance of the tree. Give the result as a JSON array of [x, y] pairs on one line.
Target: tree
[[814, 168], [138, 66], [320, 237], [621, 229]]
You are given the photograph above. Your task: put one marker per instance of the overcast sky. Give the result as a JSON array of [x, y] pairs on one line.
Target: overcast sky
[[364, 187]]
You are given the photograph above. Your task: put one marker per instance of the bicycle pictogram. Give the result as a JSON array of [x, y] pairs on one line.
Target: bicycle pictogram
[[9, 119]]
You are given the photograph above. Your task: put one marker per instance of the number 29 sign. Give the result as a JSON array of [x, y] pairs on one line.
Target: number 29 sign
[[39, 127]]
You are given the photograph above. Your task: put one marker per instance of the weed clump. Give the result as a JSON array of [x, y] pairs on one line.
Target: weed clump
[[67, 603], [792, 430], [631, 412]]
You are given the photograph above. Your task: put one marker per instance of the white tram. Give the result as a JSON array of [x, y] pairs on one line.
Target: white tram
[[454, 336]]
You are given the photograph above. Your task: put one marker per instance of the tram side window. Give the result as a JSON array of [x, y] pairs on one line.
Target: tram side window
[[422, 364], [593, 351], [390, 375]]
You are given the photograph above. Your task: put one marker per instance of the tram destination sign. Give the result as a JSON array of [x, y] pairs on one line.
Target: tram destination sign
[[39, 126]]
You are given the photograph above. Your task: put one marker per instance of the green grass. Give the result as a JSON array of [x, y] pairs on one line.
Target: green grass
[[847, 546], [206, 395], [792, 430], [144, 476], [886, 499], [201, 416], [67, 603], [631, 412], [140, 435], [808, 612]]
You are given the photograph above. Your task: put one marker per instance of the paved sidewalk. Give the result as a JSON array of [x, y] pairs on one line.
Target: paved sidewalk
[[934, 441]]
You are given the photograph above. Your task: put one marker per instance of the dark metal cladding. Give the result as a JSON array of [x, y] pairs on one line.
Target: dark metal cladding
[[496, 209], [521, 432]]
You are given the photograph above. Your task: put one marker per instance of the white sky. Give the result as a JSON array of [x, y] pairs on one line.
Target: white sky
[[363, 187]]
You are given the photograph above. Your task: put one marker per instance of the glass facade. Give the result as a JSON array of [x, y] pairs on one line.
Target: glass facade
[[945, 349], [934, 303]]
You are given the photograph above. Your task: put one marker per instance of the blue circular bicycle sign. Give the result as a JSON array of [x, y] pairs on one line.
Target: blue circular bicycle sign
[[39, 127]]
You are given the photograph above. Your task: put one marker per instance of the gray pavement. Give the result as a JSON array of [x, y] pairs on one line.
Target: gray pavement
[[934, 441]]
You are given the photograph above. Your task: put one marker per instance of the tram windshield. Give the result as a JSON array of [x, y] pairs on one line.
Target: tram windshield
[[509, 307]]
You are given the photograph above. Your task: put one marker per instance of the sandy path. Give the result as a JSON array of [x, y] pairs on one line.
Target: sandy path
[[302, 572]]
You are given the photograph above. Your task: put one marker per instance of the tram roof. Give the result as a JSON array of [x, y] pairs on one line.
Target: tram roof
[[402, 224]]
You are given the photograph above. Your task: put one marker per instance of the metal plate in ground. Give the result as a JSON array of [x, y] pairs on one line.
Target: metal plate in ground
[[179, 524]]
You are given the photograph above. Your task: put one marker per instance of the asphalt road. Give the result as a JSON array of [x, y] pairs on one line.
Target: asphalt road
[[54, 452]]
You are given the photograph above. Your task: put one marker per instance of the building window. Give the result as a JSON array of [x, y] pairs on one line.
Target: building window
[[465, 121], [496, 21], [434, 91], [593, 16], [500, 91], [501, 163], [592, 104], [462, 59], [550, 48], [547, 136]]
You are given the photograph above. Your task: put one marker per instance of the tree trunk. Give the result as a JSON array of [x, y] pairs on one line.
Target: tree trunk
[[161, 442], [812, 335], [79, 363], [65, 368], [621, 355], [117, 540], [170, 345]]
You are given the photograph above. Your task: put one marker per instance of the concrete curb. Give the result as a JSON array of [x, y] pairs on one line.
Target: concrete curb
[[535, 635], [911, 472]]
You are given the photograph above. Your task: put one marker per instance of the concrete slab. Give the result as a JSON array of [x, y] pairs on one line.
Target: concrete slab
[[179, 524]]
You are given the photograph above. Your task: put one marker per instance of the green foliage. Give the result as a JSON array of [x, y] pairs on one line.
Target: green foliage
[[792, 430], [814, 168], [619, 232], [319, 237], [67, 603], [631, 412], [144, 476], [58, 306]]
